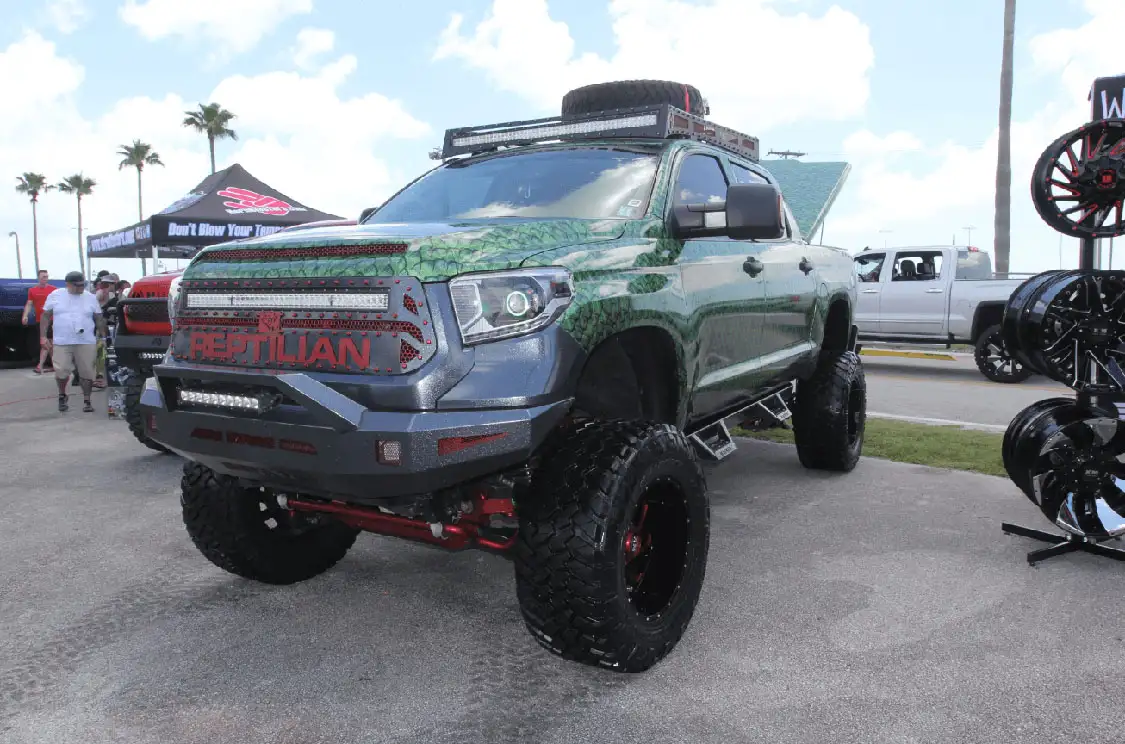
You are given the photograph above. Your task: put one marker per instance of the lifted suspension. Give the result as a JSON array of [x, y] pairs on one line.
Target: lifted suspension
[[463, 534]]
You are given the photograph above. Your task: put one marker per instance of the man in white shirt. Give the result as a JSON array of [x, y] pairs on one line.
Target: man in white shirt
[[76, 318]]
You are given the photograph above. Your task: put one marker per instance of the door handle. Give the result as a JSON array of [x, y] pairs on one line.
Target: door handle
[[752, 266], [871, 291], [934, 291], [805, 266]]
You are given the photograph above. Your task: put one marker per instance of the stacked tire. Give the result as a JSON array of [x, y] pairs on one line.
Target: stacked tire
[[1070, 327]]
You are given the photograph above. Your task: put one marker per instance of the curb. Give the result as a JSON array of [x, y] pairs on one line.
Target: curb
[[908, 354]]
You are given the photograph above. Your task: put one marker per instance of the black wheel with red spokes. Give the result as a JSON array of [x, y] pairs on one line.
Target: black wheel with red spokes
[[1078, 185], [612, 546], [655, 548], [1076, 472], [1074, 330]]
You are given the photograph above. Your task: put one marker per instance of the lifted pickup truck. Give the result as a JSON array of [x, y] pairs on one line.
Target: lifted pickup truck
[[527, 350], [938, 295]]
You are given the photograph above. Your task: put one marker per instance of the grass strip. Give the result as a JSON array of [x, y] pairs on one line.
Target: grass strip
[[922, 444]]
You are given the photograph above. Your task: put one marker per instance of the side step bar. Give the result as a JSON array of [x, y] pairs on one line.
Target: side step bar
[[714, 441]]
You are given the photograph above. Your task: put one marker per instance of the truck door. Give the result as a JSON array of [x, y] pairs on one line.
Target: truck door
[[724, 286], [791, 281], [869, 282], [915, 301]]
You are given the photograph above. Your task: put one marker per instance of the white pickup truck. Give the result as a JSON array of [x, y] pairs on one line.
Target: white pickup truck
[[937, 295]]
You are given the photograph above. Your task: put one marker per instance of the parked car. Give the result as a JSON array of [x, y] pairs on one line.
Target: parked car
[[938, 295], [18, 342]]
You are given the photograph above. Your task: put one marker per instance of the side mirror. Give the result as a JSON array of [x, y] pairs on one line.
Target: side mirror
[[754, 212], [367, 213]]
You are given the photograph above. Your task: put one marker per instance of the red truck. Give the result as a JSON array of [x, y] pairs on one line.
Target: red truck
[[143, 332]]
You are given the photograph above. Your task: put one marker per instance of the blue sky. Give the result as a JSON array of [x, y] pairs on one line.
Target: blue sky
[[917, 133]]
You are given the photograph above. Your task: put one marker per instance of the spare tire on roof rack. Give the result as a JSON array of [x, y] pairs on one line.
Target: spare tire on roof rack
[[622, 94]]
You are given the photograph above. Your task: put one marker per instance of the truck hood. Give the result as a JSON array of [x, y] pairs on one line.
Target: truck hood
[[426, 251]]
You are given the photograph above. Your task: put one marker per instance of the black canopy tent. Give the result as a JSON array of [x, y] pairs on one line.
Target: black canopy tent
[[228, 205]]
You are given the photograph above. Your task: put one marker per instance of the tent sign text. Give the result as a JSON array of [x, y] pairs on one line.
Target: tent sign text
[[212, 230]]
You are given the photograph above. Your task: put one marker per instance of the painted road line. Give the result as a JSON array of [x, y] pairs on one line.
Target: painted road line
[[939, 422], [904, 354], [879, 374]]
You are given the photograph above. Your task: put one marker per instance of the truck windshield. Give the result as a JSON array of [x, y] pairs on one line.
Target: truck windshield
[[580, 183]]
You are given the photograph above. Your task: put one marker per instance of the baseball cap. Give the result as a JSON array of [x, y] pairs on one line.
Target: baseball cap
[[75, 276]]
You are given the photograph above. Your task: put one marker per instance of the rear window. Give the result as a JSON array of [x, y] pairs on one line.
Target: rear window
[[973, 264]]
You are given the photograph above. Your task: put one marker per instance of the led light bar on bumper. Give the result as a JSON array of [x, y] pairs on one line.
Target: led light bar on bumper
[[504, 304], [255, 403], [372, 301]]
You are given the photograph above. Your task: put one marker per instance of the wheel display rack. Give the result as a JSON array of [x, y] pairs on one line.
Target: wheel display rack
[[1067, 455]]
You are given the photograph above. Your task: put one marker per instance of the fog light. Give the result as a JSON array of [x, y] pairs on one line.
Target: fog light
[[390, 452]]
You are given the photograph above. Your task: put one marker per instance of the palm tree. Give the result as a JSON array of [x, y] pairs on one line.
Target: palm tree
[[138, 155], [211, 119], [80, 186], [34, 184], [1002, 243]]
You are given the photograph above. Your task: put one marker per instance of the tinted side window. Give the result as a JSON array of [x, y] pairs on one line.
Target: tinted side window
[[742, 174], [869, 266], [700, 180]]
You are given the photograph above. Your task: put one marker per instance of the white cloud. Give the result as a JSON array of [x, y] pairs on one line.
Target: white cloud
[[237, 25], [68, 15], [295, 132], [311, 44], [524, 51], [951, 185]]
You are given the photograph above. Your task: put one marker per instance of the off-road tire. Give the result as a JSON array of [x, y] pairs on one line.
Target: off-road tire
[[570, 562], [226, 523], [630, 93], [831, 413], [993, 335], [134, 386]]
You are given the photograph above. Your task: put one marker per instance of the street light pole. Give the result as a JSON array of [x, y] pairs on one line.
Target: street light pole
[[969, 230], [886, 243], [19, 263]]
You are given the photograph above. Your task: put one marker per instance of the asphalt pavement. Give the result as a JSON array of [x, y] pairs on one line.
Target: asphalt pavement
[[945, 391], [879, 606]]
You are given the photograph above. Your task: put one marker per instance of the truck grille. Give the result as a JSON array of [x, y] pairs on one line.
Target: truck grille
[[352, 325], [154, 313]]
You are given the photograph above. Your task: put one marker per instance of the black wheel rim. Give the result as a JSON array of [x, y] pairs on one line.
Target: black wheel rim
[[1013, 311], [656, 548], [993, 355], [1075, 331], [1017, 452], [1078, 185], [1078, 478]]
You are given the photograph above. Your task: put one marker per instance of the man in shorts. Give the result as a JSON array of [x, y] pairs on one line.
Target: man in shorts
[[78, 324], [36, 296]]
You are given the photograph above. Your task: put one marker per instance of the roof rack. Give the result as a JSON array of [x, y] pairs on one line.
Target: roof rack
[[662, 121]]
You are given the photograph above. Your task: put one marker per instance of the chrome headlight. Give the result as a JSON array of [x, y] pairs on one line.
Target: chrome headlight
[[173, 298], [503, 304]]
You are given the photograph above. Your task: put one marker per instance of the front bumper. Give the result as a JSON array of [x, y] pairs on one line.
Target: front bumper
[[466, 413], [136, 352]]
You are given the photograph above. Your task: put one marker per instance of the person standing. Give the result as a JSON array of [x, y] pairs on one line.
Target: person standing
[[78, 325], [36, 296]]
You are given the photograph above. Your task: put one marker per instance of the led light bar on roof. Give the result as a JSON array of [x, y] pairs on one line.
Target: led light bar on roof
[[557, 131], [287, 301], [658, 122]]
